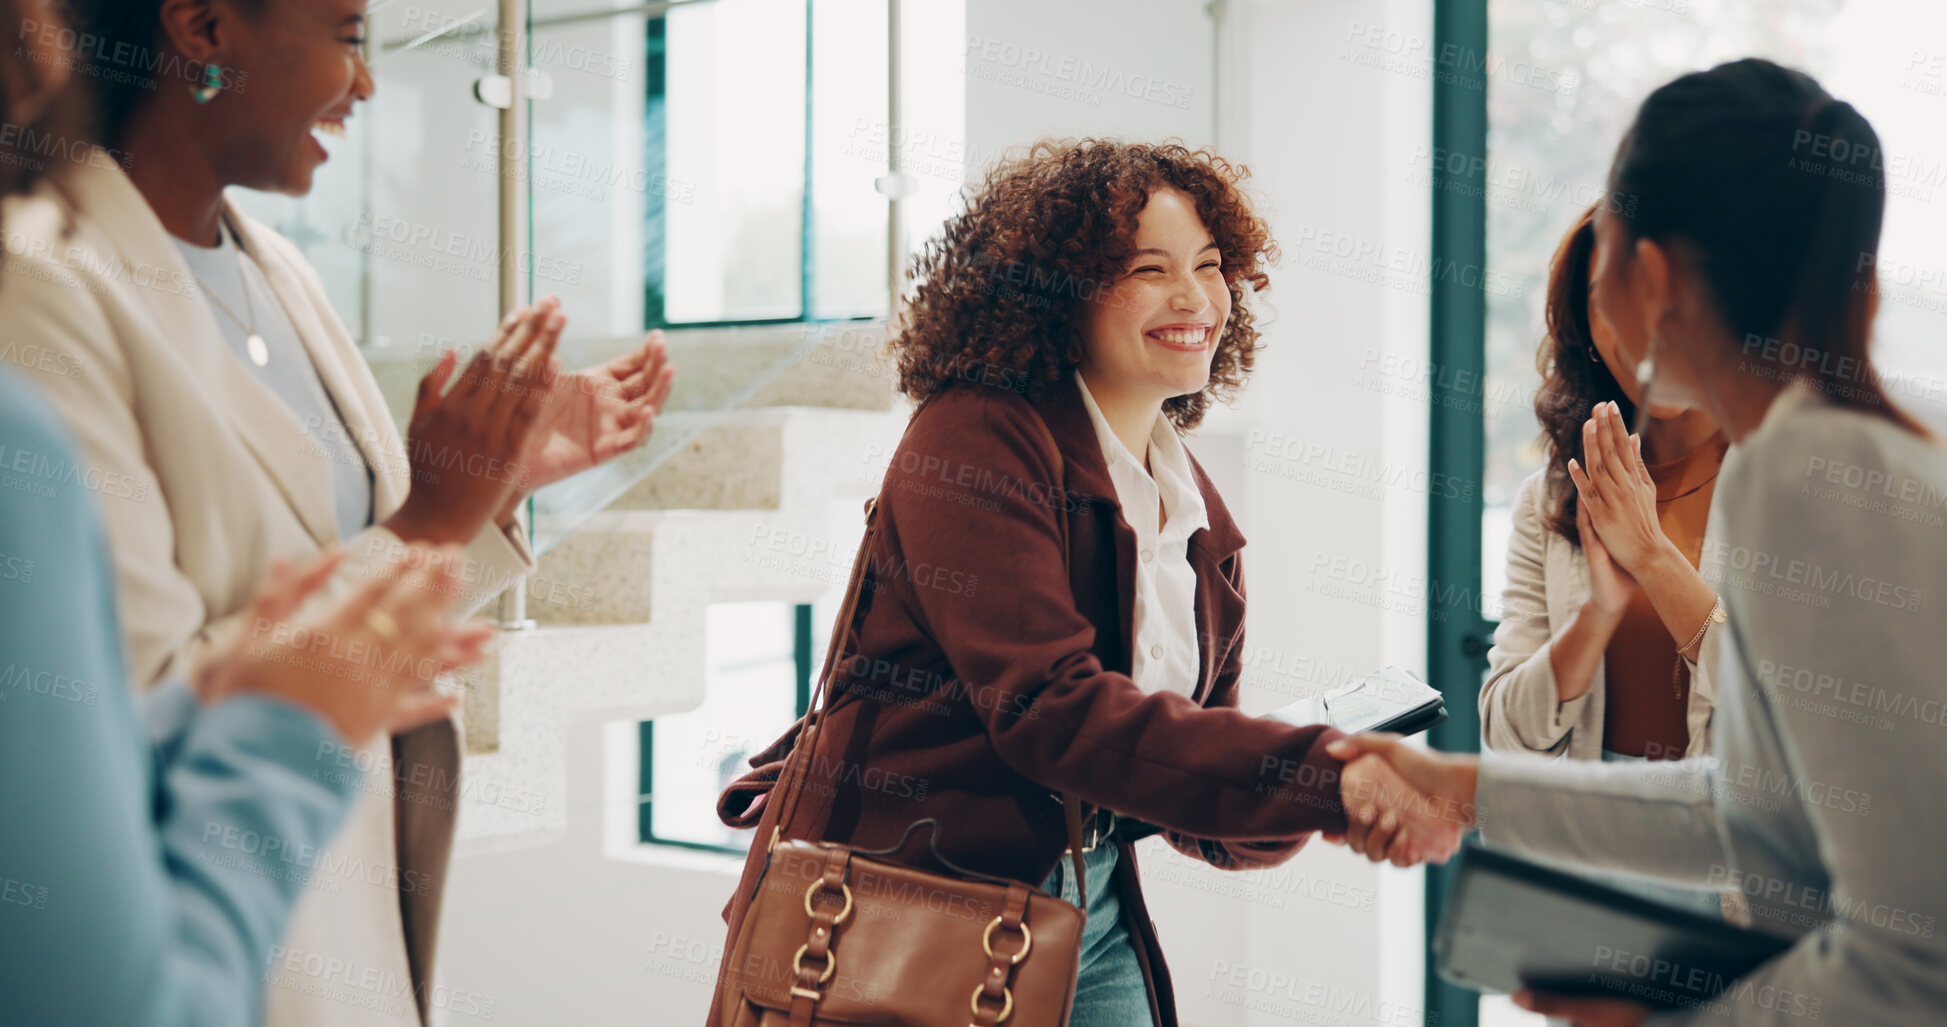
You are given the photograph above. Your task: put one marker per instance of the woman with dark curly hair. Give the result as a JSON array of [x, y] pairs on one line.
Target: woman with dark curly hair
[[1055, 601], [1608, 633]]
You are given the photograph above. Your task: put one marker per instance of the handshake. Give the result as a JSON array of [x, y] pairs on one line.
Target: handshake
[[1403, 804]]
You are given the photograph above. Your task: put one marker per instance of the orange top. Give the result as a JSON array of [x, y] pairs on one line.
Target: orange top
[[1641, 711]]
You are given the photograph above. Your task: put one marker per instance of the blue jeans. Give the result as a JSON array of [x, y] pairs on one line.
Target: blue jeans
[[1109, 989]]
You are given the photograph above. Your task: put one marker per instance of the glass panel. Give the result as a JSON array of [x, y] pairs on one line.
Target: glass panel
[[735, 87], [707, 225], [1570, 77], [589, 183], [931, 147], [750, 689], [401, 222], [848, 218], [718, 369]]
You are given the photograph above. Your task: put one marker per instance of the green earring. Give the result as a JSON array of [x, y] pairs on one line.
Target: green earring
[[212, 84]]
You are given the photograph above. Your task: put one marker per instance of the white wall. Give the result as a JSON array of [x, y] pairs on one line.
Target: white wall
[[1132, 69]]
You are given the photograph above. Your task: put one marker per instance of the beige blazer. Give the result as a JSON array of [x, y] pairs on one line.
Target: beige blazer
[[203, 477], [1548, 580]]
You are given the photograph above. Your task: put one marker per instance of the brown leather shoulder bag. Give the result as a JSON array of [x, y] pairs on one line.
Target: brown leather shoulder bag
[[839, 935]]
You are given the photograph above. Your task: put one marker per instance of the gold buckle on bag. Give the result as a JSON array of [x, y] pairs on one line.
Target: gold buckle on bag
[[987, 942], [797, 967], [1007, 1003], [846, 889]]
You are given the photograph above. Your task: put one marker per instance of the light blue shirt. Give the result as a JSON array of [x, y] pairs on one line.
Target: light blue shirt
[[240, 297], [142, 881]]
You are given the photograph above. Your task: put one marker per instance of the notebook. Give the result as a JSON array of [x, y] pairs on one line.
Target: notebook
[[1389, 700], [1510, 924]]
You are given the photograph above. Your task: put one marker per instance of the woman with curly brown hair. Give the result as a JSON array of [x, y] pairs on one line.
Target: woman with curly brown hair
[[1056, 600], [1607, 639]]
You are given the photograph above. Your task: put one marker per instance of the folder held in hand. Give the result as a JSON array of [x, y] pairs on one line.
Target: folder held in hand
[[1389, 700], [1512, 924]]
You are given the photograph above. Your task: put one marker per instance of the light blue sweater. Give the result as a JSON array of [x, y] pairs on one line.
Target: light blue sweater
[[144, 876]]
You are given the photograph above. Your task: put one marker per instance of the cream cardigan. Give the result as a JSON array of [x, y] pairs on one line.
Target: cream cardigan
[[1548, 580]]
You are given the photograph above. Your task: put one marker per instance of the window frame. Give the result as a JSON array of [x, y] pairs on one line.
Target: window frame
[[656, 161], [646, 739], [1458, 637]]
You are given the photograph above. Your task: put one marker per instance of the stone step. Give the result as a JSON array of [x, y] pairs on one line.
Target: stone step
[[522, 701], [751, 504], [829, 364], [618, 563], [736, 463], [621, 566]]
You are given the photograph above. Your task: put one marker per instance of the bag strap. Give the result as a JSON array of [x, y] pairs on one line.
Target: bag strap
[[845, 626], [1071, 807], [808, 734]]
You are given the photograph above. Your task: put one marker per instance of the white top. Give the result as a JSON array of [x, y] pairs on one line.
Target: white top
[[1821, 798], [225, 272], [1165, 656]]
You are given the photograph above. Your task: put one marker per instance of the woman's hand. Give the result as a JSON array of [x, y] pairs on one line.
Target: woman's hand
[[1584, 1010], [466, 445], [1405, 804], [596, 415], [366, 664], [1610, 587], [1388, 819], [1617, 492]]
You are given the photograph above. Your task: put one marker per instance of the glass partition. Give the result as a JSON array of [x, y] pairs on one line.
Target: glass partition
[[664, 181], [402, 223], [1574, 75]]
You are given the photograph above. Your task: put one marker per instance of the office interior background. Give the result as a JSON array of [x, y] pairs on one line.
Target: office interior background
[[752, 175]]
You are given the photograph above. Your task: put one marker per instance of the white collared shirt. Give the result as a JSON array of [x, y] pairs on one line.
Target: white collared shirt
[[1165, 654]]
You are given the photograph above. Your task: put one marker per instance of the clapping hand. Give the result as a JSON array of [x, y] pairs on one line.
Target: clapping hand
[[598, 414], [1617, 492], [1610, 587], [1403, 804], [467, 445], [367, 664]]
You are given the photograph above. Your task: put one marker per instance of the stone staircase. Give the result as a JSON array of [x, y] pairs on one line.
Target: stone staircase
[[731, 503]]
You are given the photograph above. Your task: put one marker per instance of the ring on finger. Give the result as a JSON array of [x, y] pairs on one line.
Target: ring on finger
[[382, 625]]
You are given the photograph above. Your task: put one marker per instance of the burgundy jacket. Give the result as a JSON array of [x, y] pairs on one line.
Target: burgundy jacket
[[984, 680]]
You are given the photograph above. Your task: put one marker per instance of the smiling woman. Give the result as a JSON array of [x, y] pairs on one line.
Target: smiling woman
[[256, 79], [1068, 326], [1002, 291]]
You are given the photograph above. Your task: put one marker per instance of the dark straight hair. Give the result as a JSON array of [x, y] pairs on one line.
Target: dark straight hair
[[121, 56], [124, 53], [1779, 190]]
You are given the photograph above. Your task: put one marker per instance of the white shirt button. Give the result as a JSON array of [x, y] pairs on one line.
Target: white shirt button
[[1155, 652], [1149, 556]]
